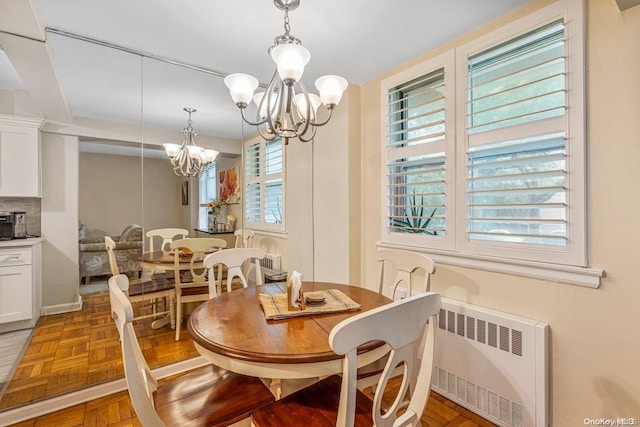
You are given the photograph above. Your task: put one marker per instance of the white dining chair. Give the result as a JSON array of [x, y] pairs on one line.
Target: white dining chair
[[207, 396], [410, 273], [244, 238], [153, 289], [191, 284], [167, 235], [336, 401], [233, 259]]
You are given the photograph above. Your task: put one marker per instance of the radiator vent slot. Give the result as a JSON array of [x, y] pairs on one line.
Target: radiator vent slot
[[271, 261], [493, 364]]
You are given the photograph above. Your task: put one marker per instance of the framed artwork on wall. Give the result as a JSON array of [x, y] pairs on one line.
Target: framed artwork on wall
[[185, 193], [229, 187]]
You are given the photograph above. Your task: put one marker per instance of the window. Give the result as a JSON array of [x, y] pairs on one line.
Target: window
[[419, 129], [505, 176], [207, 191], [264, 185]]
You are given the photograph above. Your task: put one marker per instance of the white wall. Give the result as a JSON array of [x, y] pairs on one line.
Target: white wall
[[59, 221]]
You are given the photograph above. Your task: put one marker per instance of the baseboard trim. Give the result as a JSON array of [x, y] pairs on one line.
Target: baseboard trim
[[62, 308], [84, 395]]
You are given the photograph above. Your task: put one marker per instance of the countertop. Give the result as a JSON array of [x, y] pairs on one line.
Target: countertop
[[30, 241]]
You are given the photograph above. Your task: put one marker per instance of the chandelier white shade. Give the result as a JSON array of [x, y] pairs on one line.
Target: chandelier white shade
[[282, 110], [189, 159]]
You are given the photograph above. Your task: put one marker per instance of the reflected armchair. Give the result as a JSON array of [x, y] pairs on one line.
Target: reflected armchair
[[93, 259]]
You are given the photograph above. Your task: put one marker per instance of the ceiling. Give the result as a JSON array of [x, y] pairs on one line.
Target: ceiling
[[358, 39]]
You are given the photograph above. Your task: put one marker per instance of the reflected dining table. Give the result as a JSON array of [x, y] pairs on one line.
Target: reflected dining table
[[232, 332]]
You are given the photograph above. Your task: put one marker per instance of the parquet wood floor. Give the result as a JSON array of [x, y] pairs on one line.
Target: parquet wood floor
[[72, 350], [117, 410]]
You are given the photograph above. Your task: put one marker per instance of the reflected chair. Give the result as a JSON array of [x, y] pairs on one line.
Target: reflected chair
[[403, 325], [244, 238], [207, 396], [167, 235], [233, 259], [412, 275], [191, 285], [159, 287]]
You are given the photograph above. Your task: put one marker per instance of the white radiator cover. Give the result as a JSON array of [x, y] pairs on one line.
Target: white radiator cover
[[493, 364], [271, 261]]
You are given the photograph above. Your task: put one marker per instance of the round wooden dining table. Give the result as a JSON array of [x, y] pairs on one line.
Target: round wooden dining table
[[231, 331]]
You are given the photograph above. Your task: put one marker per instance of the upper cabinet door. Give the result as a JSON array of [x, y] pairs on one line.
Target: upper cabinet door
[[20, 162]]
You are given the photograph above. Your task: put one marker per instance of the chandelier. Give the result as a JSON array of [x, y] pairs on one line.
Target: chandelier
[[286, 108], [189, 159]]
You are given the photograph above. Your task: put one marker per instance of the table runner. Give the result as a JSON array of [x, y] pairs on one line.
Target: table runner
[[275, 305]]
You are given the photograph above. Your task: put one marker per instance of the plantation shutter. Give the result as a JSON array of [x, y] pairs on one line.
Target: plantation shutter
[[415, 180], [252, 183], [207, 192], [516, 153], [273, 186]]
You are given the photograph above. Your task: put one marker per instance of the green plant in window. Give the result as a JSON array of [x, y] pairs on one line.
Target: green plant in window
[[414, 219]]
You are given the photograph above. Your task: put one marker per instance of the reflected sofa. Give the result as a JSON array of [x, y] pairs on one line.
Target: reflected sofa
[[93, 253]]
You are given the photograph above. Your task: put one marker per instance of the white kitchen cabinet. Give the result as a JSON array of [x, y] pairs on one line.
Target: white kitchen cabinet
[[20, 283], [20, 162]]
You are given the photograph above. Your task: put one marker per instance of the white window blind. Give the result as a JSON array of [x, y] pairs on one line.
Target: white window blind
[[416, 145], [207, 191], [516, 154], [264, 188], [273, 185], [252, 183]]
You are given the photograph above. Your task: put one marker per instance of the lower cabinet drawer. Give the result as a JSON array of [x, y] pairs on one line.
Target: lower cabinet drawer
[[15, 293], [15, 256]]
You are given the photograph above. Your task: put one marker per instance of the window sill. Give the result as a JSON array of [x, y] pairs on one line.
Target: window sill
[[581, 276], [270, 233]]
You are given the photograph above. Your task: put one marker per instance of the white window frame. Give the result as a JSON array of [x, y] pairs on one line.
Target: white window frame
[[446, 62], [262, 180], [573, 123], [568, 265]]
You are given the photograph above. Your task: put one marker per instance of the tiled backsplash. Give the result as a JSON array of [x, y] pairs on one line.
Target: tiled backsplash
[[30, 205]]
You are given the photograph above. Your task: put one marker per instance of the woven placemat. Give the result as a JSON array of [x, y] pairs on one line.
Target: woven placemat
[[275, 305]]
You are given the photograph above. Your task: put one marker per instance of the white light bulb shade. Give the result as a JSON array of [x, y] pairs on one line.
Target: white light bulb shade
[[210, 155], [301, 103], [257, 98], [290, 60], [195, 152], [241, 86], [331, 88], [171, 149]]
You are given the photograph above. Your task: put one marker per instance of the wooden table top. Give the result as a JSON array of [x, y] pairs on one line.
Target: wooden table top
[[234, 325], [163, 257]]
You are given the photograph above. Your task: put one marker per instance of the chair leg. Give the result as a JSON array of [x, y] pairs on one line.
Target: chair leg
[[178, 317], [172, 311]]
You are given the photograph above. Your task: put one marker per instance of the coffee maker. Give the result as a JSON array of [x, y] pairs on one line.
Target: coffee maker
[[19, 224], [6, 226]]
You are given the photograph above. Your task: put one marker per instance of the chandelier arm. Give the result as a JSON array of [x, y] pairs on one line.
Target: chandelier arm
[[313, 135], [269, 136], [249, 121], [326, 121], [307, 117]]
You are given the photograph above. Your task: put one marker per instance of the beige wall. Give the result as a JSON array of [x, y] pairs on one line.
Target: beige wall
[[595, 350], [59, 223]]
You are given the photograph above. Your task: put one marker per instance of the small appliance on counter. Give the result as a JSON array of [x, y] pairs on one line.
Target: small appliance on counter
[[19, 224], [6, 226]]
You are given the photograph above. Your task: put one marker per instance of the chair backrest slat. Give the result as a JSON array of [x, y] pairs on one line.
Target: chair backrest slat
[[198, 248], [167, 235], [406, 264]]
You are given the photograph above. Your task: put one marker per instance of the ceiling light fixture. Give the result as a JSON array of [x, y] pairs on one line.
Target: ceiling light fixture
[[282, 108], [189, 159]]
